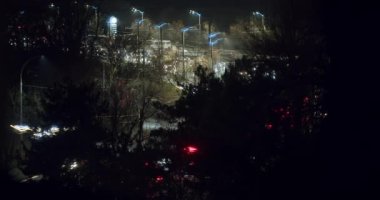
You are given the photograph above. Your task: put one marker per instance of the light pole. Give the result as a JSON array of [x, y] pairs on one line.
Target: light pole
[[161, 46], [212, 43], [192, 12], [262, 18], [96, 16], [112, 26], [138, 22], [184, 30], [52, 6], [21, 73], [134, 10]]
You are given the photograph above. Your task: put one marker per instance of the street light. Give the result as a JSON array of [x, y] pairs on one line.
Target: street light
[[192, 12], [52, 6], [262, 17], [112, 21], [212, 43], [96, 15], [184, 30], [134, 10], [139, 22], [214, 34], [21, 73], [160, 27]]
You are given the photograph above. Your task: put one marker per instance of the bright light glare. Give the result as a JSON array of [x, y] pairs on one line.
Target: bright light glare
[[185, 29], [212, 43], [159, 179], [21, 128], [74, 165], [161, 25], [113, 20], [39, 133], [259, 14], [194, 13], [134, 10], [37, 177], [179, 87], [191, 149], [212, 35], [54, 129]]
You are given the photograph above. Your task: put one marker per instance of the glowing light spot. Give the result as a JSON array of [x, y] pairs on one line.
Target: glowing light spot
[[191, 149], [269, 126], [159, 179], [74, 165], [306, 99], [21, 128], [54, 129]]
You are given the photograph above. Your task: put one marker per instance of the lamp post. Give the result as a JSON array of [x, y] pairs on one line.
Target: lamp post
[[52, 6], [192, 12], [139, 22], [21, 73], [160, 28], [112, 25], [96, 16], [134, 10], [262, 18], [212, 43], [184, 30]]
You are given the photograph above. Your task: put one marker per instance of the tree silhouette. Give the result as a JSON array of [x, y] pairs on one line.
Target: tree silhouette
[[266, 109]]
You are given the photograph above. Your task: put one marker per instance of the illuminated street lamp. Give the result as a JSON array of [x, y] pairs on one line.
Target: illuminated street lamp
[[21, 73], [211, 43], [184, 30], [134, 10], [212, 35], [262, 17], [139, 22], [96, 12], [53, 6], [21, 128], [160, 28], [192, 12], [112, 22]]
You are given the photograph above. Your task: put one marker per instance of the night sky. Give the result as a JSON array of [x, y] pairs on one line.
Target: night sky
[[220, 12]]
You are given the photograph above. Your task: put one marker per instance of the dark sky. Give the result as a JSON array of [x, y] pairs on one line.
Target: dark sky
[[220, 12]]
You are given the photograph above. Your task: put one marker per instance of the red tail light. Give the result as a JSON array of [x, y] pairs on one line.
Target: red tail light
[[191, 149]]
